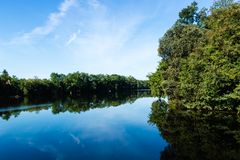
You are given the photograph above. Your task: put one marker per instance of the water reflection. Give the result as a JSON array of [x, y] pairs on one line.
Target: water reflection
[[13, 107], [197, 135], [63, 130]]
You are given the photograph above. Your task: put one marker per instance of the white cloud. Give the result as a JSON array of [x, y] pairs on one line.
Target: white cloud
[[89, 37], [72, 37], [102, 33], [105, 44], [52, 22]]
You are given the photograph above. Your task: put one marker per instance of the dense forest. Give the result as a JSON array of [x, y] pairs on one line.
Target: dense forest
[[200, 58], [72, 85]]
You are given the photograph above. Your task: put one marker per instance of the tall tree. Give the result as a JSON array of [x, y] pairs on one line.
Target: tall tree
[[222, 4], [200, 64]]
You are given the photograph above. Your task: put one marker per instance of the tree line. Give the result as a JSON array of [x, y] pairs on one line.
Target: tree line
[[72, 84], [200, 58]]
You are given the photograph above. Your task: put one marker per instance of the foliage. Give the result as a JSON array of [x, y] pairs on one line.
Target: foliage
[[222, 4], [191, 15], [9, 85], [200, 64], [37, 87], [72, 84], [155, 83]]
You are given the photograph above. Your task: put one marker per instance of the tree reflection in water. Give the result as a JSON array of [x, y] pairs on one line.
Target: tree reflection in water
[[197, 134], [12, 107]]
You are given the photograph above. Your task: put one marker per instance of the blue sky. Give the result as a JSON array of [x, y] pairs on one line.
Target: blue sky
[[38, 37]]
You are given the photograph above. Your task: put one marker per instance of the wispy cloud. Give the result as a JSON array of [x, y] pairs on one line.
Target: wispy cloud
[[102, 32], [53, 21], [72, 37], [109, 43], [89, 36]]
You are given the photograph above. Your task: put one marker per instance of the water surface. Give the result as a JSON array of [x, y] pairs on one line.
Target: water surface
[[132, 126], [80, 129]]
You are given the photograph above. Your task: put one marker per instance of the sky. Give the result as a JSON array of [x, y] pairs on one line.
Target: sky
[[38, 37]]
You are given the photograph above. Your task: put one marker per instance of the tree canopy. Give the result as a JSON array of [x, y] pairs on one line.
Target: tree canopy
[[72, 84], [200, 58]]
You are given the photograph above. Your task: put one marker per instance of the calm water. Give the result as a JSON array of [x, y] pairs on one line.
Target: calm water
[[115, 127], [80, 129]]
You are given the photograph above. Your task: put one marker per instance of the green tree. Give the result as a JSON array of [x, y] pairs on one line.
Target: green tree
[[211, 74], [176, 45], [222, 4], [9, 86], [200, 64]]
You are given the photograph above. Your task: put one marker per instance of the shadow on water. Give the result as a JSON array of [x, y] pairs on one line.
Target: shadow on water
[[13, 107], [197, 135]]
